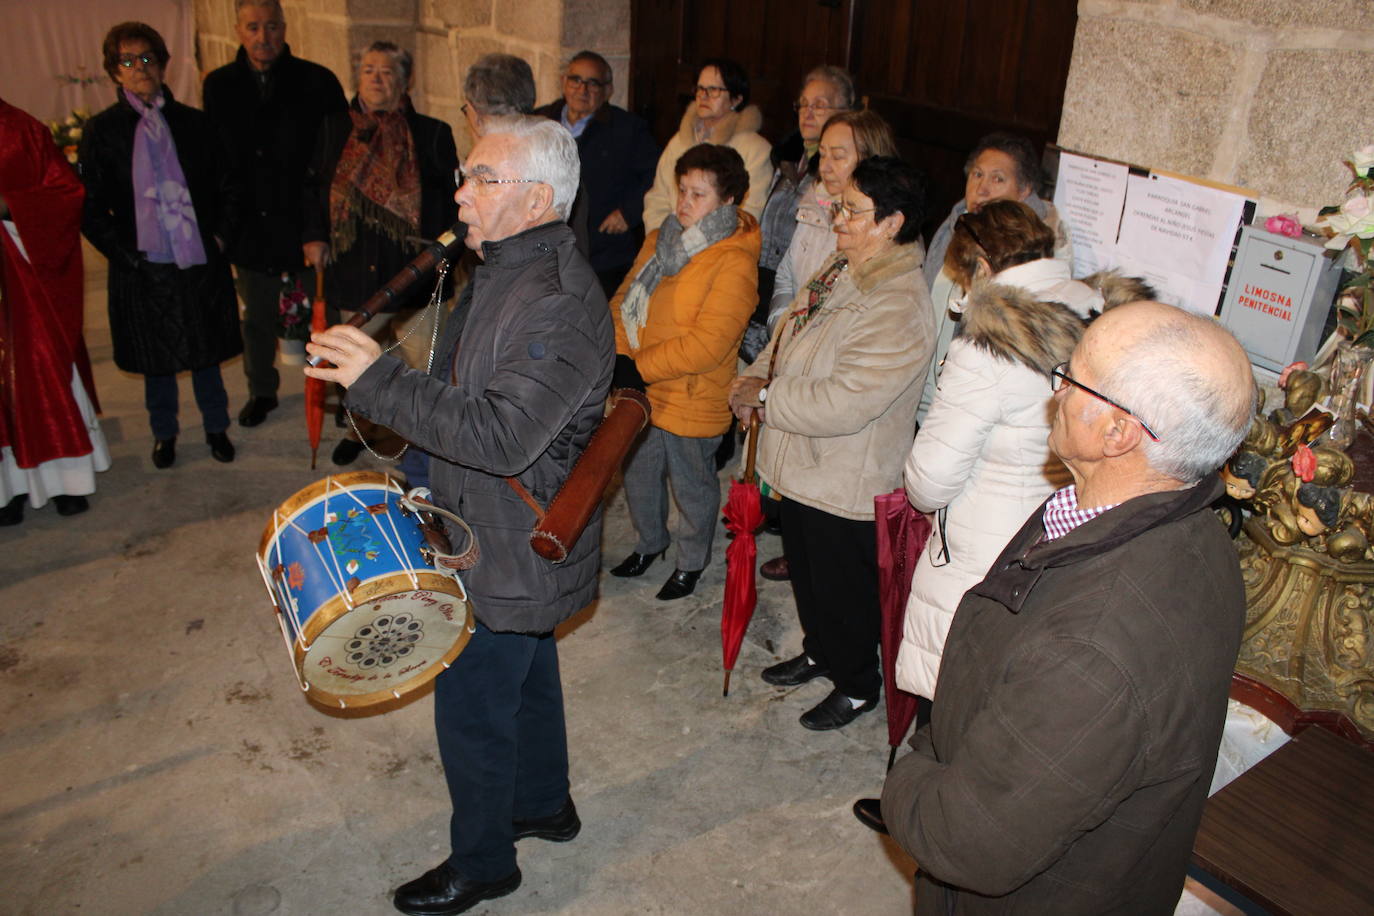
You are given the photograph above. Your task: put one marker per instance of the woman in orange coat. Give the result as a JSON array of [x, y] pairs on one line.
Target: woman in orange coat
[[679, 319]]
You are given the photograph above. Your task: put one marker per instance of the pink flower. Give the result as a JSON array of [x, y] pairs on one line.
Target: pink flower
[[1304, 463], [1283, 224]]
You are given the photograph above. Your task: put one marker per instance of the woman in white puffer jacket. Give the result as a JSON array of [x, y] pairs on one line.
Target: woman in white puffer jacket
[[981, 461]]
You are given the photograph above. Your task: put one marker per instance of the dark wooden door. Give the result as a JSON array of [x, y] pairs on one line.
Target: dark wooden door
[[943, 72]]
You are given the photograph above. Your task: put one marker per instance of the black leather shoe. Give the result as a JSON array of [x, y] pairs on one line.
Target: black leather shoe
[[870, 813], [221, 449], [70, 505], [256, 410], [636, 564], [346, 452], [559, 827], [164, 452], [443, 892], [792, 672], [679, 585], [835, 711], [13, 512]]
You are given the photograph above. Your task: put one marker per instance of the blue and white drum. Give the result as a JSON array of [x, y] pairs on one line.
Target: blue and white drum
[[365, 616]]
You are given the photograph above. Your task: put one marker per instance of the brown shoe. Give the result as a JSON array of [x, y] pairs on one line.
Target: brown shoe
[[775, 570]]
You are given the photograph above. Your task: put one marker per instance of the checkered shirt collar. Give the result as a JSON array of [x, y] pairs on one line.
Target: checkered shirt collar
[[1062, 514]]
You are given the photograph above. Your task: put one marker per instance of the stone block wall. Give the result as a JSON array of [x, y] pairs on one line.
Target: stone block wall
[[446, 37], [1265, 94]]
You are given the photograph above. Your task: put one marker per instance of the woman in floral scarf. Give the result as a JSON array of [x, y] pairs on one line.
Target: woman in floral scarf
[[161, 204], [381, 184]]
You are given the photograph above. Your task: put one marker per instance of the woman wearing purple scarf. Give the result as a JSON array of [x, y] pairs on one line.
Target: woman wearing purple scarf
[[160, 205]]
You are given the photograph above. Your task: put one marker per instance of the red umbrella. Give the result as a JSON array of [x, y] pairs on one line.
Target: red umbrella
[[315, 388], [743, 515], [902, 534]]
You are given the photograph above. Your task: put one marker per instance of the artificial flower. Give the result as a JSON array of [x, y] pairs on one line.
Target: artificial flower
[[1283, 224]]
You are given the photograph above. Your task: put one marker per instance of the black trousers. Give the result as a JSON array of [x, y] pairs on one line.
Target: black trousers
[[834, 573], [498, 713]]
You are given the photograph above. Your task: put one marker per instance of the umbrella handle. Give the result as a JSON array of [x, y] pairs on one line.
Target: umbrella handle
[[753, 436], [319, 282]]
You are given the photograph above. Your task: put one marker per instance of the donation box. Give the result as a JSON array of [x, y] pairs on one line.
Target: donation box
[[1279, 296]]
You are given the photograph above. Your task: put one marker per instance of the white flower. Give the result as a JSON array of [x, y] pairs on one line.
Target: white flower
[[74, 133], [1361, 160], [71, 120], [1354, 218]]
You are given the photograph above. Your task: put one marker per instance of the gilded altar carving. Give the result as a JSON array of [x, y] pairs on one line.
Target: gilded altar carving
[[1306, 556]]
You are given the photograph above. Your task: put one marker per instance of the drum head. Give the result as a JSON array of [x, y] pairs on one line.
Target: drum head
[[394, 640]]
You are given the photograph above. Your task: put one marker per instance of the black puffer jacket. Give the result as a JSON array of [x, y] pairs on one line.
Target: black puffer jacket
[[163, 319], [271, 125], [521, 398]]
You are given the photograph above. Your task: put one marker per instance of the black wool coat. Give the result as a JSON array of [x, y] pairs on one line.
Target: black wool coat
[[163, 319], [375, 257], [271, 125], [618, 157]]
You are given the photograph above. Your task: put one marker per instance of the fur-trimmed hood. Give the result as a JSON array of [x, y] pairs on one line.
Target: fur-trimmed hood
[[1010, 323], [748, 118], [1118, 289]]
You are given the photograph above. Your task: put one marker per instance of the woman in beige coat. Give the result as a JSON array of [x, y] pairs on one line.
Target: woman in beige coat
[[838, 413]]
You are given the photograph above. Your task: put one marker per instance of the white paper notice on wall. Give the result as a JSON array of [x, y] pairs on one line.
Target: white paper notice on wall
[[1089, 195], [1178, 235]]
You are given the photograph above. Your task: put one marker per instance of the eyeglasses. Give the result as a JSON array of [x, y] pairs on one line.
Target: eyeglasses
[[146, 60], [579, 81], [480, 182], [711, 92], [818, 105], [1060, 374], [840, 208]]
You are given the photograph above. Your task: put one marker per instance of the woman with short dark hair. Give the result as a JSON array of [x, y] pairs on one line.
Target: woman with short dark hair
[[836, 391], [719, 114], [161, 205], [679, 318]]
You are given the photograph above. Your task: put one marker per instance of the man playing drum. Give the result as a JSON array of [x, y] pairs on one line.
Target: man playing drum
[[518, 385]]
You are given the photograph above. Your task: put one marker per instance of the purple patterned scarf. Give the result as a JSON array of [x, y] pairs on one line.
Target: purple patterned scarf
[[167, 229]]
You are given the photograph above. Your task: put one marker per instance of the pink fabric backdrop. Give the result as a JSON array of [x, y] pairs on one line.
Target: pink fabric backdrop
[[44, 40]]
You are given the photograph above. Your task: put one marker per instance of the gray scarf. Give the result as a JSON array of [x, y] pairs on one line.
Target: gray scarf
[[675, 247]]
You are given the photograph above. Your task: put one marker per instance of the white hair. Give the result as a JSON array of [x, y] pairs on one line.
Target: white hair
[[548, 154], [1173, 381]]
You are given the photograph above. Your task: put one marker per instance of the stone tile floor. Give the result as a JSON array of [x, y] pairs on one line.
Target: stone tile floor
[[159, 757]]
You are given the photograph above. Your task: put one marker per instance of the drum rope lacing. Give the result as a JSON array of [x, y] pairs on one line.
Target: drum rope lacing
[[432, 307]]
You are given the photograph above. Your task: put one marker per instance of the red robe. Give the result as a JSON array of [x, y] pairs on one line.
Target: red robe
[[41, 297]]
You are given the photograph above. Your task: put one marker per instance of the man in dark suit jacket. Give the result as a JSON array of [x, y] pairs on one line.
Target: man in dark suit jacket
[[270, 104], [618, 159]]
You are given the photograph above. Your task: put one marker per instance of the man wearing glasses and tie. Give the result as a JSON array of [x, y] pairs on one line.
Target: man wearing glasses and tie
[[618, 155]]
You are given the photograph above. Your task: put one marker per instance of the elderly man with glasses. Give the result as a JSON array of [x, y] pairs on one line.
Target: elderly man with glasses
[[1083, 688], [518, 386], [618, 156]]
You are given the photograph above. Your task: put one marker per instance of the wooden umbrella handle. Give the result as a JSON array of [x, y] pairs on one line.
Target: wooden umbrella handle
[[753, 436]]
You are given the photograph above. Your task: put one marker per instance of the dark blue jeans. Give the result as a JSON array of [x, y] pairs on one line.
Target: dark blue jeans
[[498, 714], [160, 397]]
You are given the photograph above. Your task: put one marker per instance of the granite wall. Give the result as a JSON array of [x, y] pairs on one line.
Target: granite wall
[[1265, 94], [445, 36]]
